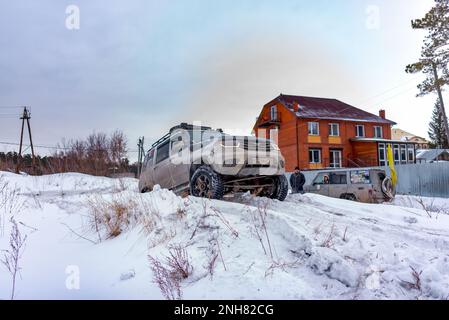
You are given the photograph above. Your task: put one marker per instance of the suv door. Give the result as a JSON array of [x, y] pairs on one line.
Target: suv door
[[180, 156], [147, 170], [320, 184], [161, 171], [338, 184]]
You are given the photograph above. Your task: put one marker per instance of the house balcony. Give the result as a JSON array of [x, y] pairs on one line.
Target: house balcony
[[269, 121]]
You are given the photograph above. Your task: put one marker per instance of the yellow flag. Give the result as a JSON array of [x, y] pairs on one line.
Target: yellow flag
[[394, 176]]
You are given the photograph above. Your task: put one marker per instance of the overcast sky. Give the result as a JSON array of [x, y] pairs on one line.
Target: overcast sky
[[142, 66]]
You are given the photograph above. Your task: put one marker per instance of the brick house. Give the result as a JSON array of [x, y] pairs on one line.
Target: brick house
[[316, 133]]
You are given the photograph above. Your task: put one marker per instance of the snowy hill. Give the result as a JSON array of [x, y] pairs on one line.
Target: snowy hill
[[98, 238]]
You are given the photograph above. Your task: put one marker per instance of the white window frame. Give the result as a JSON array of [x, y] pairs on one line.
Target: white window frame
[[412, 149], [310, 125], [382, 160], [381, 131], [331, 127], [334, 164], [357, 126], [396, 151], [313, 161], [403, 151], [274, 113]]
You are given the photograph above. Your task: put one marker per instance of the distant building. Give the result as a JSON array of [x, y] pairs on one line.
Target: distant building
[[317, 133], [432, 155], [399, 134]]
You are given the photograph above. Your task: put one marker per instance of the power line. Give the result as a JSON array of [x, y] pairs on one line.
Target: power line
[[55, 147]]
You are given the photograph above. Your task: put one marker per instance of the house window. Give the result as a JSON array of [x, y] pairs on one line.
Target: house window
[[396, 154], [378, 132], [314, 155], [403, 153], [335, 159], [360, 131], [411, 153], [274, 113], [334, 129], [382, 155], [314, 129]]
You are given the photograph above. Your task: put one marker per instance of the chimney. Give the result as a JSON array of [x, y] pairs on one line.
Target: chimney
[[382, 114], [295, 106]]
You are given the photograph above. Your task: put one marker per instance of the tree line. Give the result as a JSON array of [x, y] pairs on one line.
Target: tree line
[[99, 154]]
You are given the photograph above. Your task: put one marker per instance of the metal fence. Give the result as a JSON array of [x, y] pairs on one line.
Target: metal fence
[[424, 179]]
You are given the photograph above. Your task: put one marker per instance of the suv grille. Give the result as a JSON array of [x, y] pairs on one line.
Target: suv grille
[[257, 145]]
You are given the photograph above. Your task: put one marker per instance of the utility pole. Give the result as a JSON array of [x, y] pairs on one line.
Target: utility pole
[[440, 97], [141, 154], [26, 116]]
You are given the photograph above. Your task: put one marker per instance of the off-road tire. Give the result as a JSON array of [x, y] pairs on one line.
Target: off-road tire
[[280, 188], [206, 183]]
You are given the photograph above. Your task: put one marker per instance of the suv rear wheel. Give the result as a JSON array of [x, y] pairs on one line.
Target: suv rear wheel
[[280, 188], [206, 183]]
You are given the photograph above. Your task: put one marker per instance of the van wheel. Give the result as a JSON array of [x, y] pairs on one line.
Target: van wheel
[[206, 183], [280, 189], [348, 196]]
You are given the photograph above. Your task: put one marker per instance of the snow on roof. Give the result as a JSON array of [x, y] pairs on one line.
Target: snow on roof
[[324, 108], [431, 154]]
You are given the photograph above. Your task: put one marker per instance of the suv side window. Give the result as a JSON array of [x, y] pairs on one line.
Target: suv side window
[[149, 158], [338, 178], [360, 177], [163, 152], [321, 178]]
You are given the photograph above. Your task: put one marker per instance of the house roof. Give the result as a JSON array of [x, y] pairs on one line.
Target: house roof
[[431, 154], [399, 134], [332, 109]]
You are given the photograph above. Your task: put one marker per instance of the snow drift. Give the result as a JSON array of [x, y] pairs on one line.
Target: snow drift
[[98, 238]]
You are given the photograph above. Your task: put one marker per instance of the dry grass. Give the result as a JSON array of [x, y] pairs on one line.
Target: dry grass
[[11, 257], [111, 216], [10, 202], [416, 283], [169, 275]]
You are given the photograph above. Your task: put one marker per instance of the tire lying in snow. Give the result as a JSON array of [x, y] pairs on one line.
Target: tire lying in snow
[[206, 183], [280, 188]]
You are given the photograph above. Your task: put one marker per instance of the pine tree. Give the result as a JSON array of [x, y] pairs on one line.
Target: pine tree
[[436, 129], [434, 59]]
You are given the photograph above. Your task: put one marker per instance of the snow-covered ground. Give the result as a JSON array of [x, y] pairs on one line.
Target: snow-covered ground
[[308, 247]]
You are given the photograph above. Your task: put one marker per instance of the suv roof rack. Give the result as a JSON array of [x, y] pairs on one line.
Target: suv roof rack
[[160, 140], [184, 126], [187, 126]]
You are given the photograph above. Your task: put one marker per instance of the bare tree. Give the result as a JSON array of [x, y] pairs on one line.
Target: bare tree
[[117, 147]]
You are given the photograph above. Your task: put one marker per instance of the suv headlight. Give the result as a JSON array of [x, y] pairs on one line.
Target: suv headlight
[[275, 147]]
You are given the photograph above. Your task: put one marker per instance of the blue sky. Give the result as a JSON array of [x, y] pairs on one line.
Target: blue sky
[[143, 66]]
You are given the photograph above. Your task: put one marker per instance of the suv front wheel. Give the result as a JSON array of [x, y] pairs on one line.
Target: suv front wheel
[[280, 188], [206, 183]]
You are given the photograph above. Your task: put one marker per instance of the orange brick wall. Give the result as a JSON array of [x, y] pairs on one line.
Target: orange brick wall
[[294, 140]]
